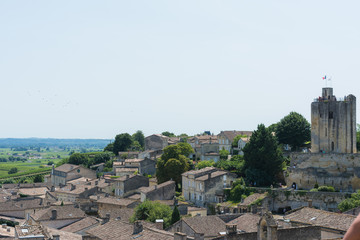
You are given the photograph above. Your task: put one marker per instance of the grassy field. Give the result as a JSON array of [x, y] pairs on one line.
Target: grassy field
[[31, 160]]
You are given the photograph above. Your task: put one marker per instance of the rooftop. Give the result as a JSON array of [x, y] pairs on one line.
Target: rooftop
[[66, 167], [62, 212], [321, 218], [209, 225]]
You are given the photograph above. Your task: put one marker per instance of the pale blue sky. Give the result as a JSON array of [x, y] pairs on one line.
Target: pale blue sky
[[93, 69]]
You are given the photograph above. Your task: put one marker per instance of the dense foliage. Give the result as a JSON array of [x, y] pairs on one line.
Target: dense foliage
[[294, 130], [235, 165], [263, 157], [172, 163], [205, 163], [349, 203], [150, 211], [239, 191]]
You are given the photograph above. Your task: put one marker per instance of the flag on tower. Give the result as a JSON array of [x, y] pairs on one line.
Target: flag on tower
[[324, 77]]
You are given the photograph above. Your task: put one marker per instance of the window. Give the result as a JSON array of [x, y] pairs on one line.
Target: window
[[331, 115]]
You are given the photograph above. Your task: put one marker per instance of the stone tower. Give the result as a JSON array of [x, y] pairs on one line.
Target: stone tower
[[333, 123]]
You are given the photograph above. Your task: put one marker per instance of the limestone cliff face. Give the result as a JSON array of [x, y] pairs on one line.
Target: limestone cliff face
[[342, 171]]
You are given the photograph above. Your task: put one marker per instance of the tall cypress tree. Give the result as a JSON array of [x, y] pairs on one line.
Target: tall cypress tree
[[175, 216]]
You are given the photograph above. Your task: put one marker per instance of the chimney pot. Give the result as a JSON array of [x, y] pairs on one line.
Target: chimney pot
[[231, 229], [127, 176], [159, 224], [53, 214], [138, 227]]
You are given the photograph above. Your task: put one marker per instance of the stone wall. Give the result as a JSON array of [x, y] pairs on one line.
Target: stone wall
[[165, 192], [278, 200], [342, 171]]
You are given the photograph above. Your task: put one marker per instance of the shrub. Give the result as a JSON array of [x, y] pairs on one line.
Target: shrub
[[13, 170], [326, 189]]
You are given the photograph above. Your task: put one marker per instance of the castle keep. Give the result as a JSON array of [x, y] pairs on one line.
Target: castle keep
[[333, 160], [333, 123]]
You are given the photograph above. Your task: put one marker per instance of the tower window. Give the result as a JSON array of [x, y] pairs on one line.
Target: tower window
[[332, 146], [331, 115]]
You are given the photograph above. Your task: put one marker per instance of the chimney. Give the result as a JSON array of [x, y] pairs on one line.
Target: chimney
[[52, 189], [209, 176], [106, 219], [96, 183], [3, 225], [53, 214], [231, 229], [198, 236], [180, 236], [8, 229], [155, 187], [72, 186], [138, 227], [310, 203], [56, 236], [159, 224], [86, 189]]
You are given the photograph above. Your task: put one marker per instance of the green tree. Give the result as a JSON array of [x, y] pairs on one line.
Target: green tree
[[263, 157], [38, 178], [294, 130], [109, 147], [79, 159], [171, 164], [185, 149], [168, 134], [13, 170], [236, 140], [224, 154], [349, 203], [139, 136], [135, 146], [175, 216], [122, 143], [150, 211], [205, 163]]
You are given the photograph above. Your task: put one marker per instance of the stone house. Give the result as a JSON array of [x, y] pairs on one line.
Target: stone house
[[57, 216], [206, 185], [21, 207], [115, 207], [129, 184], [203, 146], [144, 166], [67, 172], [225, 138], [241, 144], [159, 141], [164, 191]]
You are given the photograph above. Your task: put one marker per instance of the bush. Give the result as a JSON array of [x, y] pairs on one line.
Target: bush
[[326, 189], [150, 211], [13, 170]]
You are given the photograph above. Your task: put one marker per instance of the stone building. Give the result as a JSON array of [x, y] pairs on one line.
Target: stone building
[[130, 184], [66, 172], [164, 191], [226, 138], [144, 166], [159, 141], [206, 185], [333, 123]]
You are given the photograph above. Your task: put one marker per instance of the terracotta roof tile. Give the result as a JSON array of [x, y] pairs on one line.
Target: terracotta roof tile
[[66, 167], [62, 212]]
